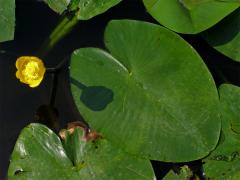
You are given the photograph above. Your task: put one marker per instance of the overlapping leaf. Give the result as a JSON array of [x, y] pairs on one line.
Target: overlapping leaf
[[225, 36], [149, 94], [7, 20], [39, 154], [190, 16]]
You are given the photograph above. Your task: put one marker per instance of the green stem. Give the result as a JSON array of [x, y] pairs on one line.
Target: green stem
[[62, 29]]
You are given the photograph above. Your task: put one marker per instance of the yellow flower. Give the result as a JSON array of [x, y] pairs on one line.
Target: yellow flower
[[30, 70]]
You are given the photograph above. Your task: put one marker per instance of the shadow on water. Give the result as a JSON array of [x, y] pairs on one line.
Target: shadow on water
[[95, 98]]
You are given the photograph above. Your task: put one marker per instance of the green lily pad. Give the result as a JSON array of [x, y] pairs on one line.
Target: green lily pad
[[58, 6], [225, 36], [224, 161], [7, 20], [190, 16], [154, 92], [39, 154]]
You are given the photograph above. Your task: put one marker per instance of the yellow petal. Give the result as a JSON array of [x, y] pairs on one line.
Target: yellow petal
[[35, 84], [18, 74], [21, 60]]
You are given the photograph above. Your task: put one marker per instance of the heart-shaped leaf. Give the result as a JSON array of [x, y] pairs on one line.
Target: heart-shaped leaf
[[7, 20], [39, 154], [225, 36], [190, 16], [224, 161], [153, 93]]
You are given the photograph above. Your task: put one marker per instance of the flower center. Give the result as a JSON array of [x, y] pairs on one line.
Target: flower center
[[31, 70]]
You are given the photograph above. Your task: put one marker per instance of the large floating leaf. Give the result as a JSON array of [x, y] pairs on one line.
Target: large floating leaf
[[190, 16], [224, 162], [225, 36], [58, 5], [85, 9], [149, 95], [7, 20], [39, 154]]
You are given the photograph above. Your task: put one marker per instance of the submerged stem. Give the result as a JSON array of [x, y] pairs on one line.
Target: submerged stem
[[64, 27]]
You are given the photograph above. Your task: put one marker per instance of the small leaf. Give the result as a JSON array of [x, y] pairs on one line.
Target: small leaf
[[185, 173]]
